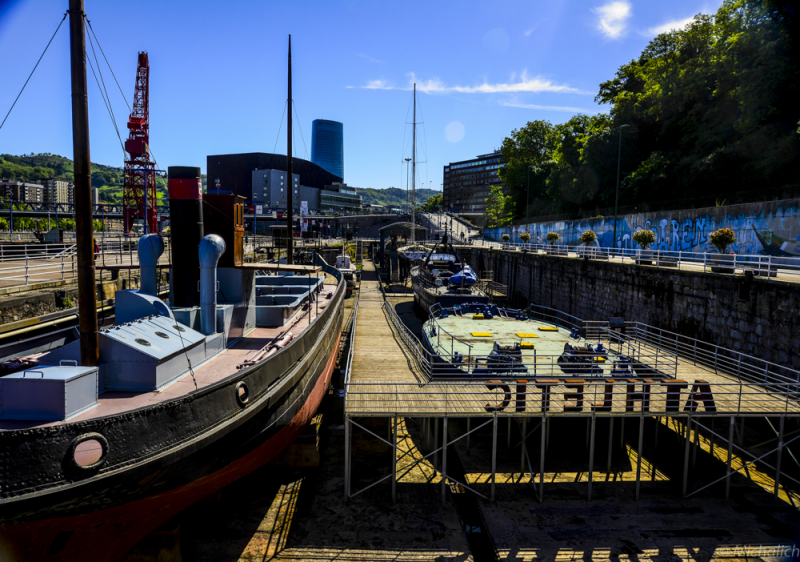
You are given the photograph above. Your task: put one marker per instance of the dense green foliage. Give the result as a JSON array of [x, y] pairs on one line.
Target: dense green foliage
[[34, 167], [710, 109], [393, 196], [433, 204], [499, 207]]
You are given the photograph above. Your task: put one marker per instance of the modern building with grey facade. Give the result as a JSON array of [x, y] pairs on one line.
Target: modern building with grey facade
[[468, 183], [57, 191], [21, 191], [327, 145]]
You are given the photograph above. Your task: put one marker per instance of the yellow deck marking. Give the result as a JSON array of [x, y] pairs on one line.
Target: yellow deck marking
[[599, 359], [519, 335], [477, 316], [547, 329], [526, 345], [481, 334]]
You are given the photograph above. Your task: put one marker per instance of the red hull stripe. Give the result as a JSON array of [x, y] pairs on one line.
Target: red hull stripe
[[109, 534]]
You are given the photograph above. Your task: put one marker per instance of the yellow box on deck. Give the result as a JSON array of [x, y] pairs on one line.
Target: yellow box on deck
[[547, 329], [481, 334], [526, 345], [599, 359], [526, 335], [477, 316]]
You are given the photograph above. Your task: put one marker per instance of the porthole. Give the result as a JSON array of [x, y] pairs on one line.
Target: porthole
[[87, 452], [162, 335], [142, 341], [179, 328], [242, 393]]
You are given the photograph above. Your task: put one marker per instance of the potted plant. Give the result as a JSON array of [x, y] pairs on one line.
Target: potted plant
[[505, 238], [721, 239], [552, 238], [644, 238], [524, 237], [588, 238]]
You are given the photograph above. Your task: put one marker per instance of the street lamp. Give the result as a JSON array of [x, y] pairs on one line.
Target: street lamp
[[616, 197]]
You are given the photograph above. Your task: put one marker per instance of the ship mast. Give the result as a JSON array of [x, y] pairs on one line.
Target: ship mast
[[414, 170], [87, 307], [290, 182]]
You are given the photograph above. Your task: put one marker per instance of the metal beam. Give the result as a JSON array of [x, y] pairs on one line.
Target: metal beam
[[591, 456], [394, 462], [688, 440], [542, 448], [494, 453], [780, 454], [639, 456], [444, 459], [730, 458]]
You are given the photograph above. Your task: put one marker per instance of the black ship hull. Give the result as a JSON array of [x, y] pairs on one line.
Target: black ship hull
[[159, 459]]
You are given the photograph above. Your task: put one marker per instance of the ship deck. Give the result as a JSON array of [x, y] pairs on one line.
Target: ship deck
[[207, 373]]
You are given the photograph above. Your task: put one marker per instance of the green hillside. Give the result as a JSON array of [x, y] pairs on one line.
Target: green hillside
[[393, 196], [35, 167]]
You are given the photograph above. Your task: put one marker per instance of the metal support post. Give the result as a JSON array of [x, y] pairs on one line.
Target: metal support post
[[591, 456], [522, 447], [655, 437], [347, 430], [780, 454], [688, 441], [741, 433], [494, 453], [508, 435], [469, 428], [639, 456], [548, 434], [444, 459], [730, 458], [428, 433], [542, 448], [435, 441], [394, 462], [610, 442], [696, 445], [622, 433]]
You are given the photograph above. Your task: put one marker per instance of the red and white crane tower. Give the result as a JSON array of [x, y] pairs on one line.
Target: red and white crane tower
[[139, 194]]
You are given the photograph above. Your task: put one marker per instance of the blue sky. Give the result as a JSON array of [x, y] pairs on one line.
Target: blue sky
[[218, 74]]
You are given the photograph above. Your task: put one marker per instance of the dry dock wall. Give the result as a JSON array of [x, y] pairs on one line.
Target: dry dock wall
[[755, 316]]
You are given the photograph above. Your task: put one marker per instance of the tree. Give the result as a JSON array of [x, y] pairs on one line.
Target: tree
[[499, 208], [433, 204]]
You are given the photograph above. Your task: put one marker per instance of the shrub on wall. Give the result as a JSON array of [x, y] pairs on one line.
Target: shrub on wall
[[552, 237], [722, 238], [588, 237]]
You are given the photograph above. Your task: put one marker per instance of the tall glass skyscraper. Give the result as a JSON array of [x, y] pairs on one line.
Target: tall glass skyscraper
[[327, 146]]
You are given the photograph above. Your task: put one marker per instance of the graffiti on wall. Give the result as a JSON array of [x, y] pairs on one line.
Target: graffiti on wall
[[761, 228]]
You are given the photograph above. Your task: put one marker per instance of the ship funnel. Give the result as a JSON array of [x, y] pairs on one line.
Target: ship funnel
[[150, 248], [212, 246]]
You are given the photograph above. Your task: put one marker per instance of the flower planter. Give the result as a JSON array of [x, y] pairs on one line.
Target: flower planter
[[644, 257], [723, 263]]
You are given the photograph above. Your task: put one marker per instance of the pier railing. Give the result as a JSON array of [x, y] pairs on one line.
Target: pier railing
[[530, 396], [771, 267]]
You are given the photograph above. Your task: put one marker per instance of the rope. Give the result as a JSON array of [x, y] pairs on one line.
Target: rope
[[103, 91], [301, 130], [279, 128], [108, 64], [34, 70]]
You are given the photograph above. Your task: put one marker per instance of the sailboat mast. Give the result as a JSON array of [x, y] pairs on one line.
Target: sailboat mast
[[290, 182], [414, 171], [84, 228]]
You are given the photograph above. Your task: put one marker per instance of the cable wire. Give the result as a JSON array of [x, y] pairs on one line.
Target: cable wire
[[34, 70], [301, 131], [280, 126], [109, 65], [108, 109], [104, 91]]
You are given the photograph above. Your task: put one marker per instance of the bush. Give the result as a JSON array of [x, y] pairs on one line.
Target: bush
[[552, 237], [644, 238], [505, 237], [524, 237], [588, 237], [722, 238]]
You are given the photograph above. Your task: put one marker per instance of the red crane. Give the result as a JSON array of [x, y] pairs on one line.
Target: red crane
[[139, 193]]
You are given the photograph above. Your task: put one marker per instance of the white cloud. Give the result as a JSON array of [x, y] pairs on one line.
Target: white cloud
[[375, 85], [613, 18], [369, 58], [669, 26], [525, 84], [548, 107], [528, 32]]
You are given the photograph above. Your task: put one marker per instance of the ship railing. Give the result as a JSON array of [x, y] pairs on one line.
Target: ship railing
[[522, 395], [553, 316], [769, 266], [583, 362], [734, 363]]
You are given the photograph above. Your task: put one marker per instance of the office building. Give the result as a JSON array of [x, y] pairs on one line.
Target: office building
[[327, 145], [234, 172], [339, 198], [21, 191], [57, 191], [468, 183]]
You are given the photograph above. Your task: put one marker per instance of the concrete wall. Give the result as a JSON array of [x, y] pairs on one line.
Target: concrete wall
[[755, 316], [777, 222]]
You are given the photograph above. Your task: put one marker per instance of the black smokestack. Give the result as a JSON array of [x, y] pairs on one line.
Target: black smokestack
[[186, 231]]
